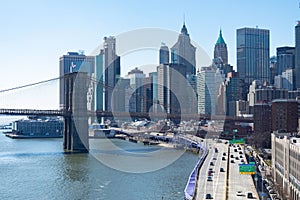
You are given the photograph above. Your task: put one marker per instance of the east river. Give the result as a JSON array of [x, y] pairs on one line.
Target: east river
[[39, 169]]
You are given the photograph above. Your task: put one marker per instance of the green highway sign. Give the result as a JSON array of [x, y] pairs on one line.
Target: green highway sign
[[240, 141], [247, 168]]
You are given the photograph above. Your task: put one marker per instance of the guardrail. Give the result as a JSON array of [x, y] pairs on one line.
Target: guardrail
[[190, 188]]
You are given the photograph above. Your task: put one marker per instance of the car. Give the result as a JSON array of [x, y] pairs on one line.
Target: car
[[239, 193], [239, 148], [214, 158], [231, 156], [222, 169], [223, 158], [232, 161], [237, 158], [210, 169], [235, 150], [240, 152], [269, 188], [272, 192], [224, 154], [209, 178], [249, 195], [242, 160], [241, 156], [208, 196], [212, 164]]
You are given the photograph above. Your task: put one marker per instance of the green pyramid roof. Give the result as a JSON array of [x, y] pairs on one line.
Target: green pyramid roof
[[220, 39]]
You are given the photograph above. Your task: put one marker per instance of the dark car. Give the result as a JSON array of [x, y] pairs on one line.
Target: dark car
[[232, 161], [208, 196], [240, 152], [237, 158], [211, 164], [224, 154], [231, 156], [209, 178], [222, 169], [235, 150], [249, 195], [223, 158]]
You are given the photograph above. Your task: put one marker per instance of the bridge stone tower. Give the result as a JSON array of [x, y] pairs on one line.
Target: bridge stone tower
[[76, 119]]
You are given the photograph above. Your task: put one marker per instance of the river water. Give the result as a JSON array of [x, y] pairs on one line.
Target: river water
[[39, 169]]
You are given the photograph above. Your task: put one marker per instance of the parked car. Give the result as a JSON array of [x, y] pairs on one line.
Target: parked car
[[223, 158], [209, 178], [222, 169], [211, 164], [232, 161], [208, 196]]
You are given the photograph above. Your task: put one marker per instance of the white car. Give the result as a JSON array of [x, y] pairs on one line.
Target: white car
[[240, 193]]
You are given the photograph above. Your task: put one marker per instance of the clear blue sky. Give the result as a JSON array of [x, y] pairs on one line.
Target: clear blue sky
[[34, 34]]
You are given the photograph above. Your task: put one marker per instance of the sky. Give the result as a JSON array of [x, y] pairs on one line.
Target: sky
[[34, 34]]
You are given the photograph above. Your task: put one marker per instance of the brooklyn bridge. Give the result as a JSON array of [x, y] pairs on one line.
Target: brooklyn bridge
[[76, 114]]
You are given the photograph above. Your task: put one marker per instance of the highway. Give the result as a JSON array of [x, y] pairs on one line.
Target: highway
[[219, 186], [239, 182], [216, 187]]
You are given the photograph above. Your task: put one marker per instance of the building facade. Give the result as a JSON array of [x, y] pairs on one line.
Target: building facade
[[73, 62], [286, 165], [285, 59], [233, 90], [207, 91], [285, 115], [297, 54], [112, 69], [164, 54], [253, 49]]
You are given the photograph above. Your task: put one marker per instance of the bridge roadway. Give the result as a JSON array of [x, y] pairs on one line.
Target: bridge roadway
[[218, 187], [101, 113]]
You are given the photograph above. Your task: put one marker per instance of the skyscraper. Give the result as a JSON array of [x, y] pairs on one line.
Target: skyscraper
[[253, 49], [207, 90], [220, 51], [233, 87], [136, 78], [73, 62], [173, 88], [285, 59], [111, 69], [164, 54], [297, 54], [99, 77], [183, 52]]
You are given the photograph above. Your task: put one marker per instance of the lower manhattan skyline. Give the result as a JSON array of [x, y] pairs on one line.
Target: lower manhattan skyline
[[138, 100], [36, 34]]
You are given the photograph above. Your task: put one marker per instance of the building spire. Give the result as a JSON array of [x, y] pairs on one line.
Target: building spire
[[220, 39], [184, 29]]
